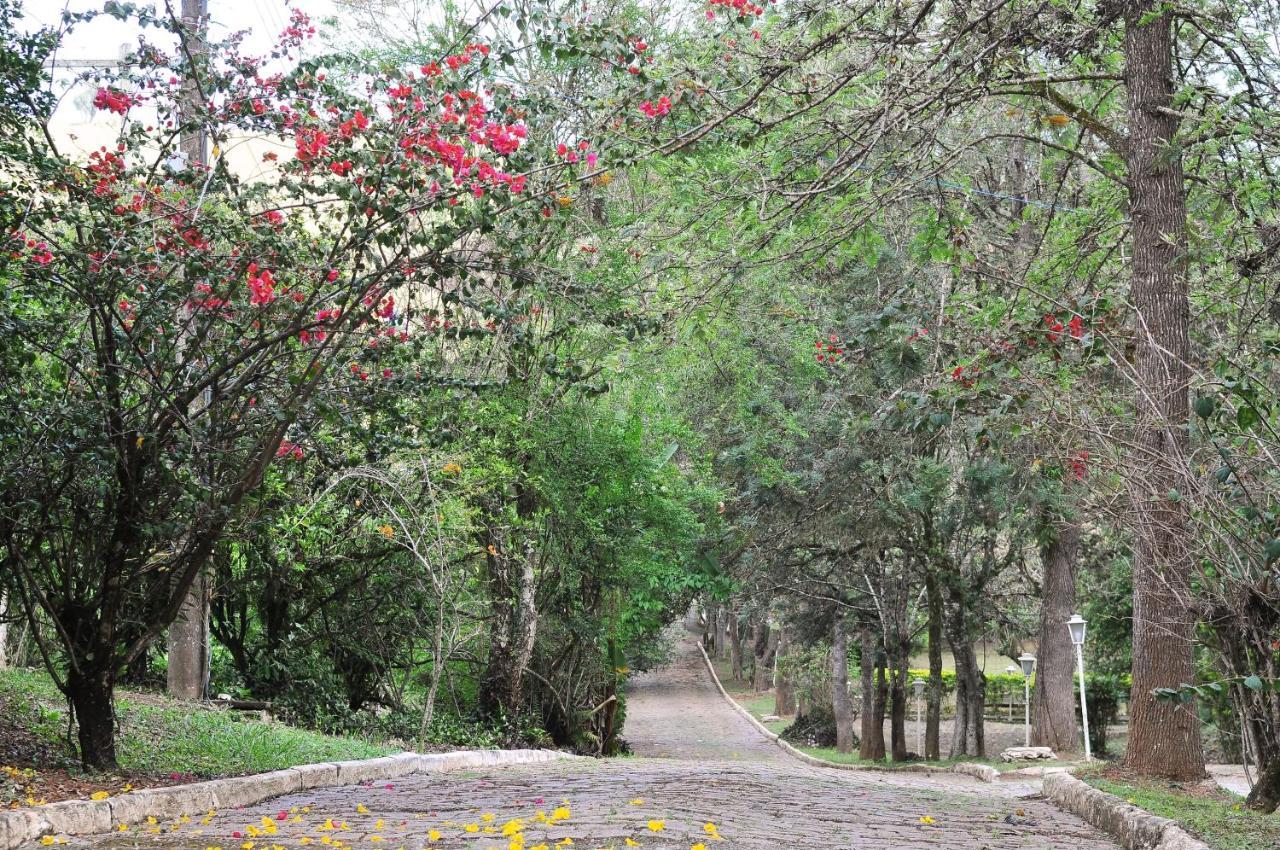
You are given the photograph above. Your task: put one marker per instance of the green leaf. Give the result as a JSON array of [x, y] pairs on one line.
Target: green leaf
[[1253, 683], [1205, 406]]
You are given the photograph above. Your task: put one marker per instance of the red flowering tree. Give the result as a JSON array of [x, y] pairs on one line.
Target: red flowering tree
[[177, 323]]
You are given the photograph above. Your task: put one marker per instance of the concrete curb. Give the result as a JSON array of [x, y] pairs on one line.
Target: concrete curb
[[808, 759], [87, 817], [1133, 827]]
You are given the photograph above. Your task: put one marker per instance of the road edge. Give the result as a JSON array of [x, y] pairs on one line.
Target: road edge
[[89, 817], [1135, 828]]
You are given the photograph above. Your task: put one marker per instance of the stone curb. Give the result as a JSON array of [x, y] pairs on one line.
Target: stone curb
[[1133, 827], [983, 772], [87, 817], [833, 765]]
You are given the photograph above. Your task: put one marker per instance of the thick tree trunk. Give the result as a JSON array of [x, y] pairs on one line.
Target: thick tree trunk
[[92, 697], [968, 737], [1053, 702], [933, 710], [898, 702], [784, 695], [872, 748], [188, 643], [512, 629], [1164, 736], [1265, 796], [841, 705]]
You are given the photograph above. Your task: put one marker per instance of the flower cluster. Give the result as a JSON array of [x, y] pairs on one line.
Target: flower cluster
[[113, 100], [1080, 465], [965, 376], [290, 450], [654, 110], [1075, 326], [830, 350], [742, 7], [262, 287]]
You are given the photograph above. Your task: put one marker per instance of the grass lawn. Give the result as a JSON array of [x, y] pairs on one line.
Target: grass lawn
[[159, 738], [759, 703], [1217, 817]]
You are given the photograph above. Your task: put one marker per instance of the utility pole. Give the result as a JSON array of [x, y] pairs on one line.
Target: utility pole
[[188, 642]]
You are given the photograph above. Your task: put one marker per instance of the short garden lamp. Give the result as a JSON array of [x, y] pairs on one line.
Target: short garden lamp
[[918, 686], [1076, 626], [1028, 662]]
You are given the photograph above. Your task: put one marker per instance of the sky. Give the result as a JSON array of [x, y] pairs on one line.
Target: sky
[[263, 19], [77, 126]]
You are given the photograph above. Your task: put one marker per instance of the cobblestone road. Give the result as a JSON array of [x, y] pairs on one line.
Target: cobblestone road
[[698, 763]]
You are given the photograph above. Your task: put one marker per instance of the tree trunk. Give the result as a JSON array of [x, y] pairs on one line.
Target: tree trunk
[[437, 670], [933, 710], [872, 748], [784, 695], [841, 705], [764, 648], [722, 627], [92, 697], [4, 630], [188, 643], [1164, 736], [1053, 701], [512, 629], [735, 646], [968, 737], [879, 705], [1265, 796], [898, 701]]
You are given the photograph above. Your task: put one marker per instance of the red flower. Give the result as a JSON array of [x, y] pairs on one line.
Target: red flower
[[653, 110], [112, 101], [262, 287]]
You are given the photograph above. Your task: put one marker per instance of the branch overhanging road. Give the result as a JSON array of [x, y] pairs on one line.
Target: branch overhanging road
[[702, 775]]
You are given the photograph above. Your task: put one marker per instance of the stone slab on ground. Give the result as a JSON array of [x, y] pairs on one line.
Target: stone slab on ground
[[1011, 754]]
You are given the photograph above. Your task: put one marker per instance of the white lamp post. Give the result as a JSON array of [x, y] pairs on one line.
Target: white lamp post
[[1076, 627], [918, 686], [1028, 662], [1009, 671]]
